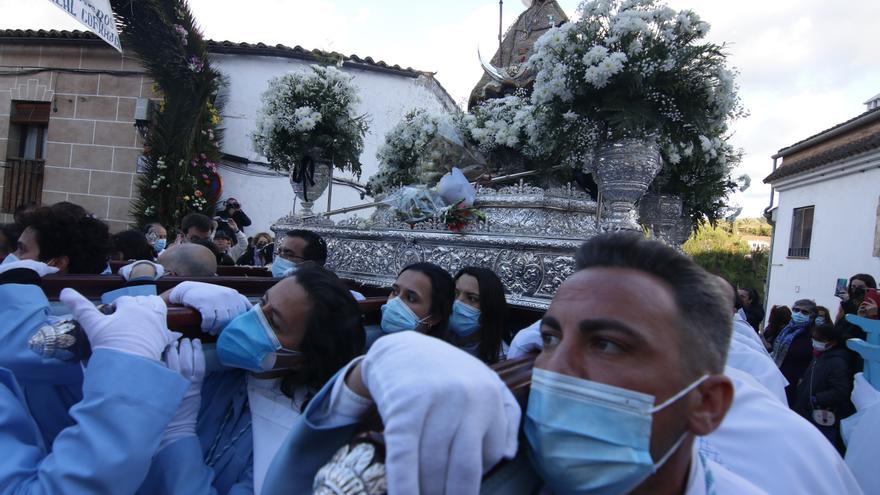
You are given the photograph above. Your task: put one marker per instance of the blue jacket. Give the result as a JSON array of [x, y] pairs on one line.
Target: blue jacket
[[224, 439], [50, 387], [127, 403]]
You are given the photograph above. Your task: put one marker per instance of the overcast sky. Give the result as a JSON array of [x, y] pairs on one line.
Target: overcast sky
[[805, 65]]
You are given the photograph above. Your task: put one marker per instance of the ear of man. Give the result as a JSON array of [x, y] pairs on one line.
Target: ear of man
[[709, 404]]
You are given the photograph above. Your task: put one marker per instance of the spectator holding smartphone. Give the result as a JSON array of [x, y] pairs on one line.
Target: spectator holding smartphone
[[869, 306], [850, 300]]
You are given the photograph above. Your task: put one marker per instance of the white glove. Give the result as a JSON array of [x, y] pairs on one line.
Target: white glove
[[138, 326], [448, 417], [187, 359], [125, 271], [864, 395], [526, 341], [218, 305], [41, 268]]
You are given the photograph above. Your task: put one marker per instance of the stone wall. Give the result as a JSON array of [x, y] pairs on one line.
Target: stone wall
[[92, 146]]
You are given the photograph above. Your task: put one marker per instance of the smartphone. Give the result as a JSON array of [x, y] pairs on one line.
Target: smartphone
[[873, 295], [840, 288]]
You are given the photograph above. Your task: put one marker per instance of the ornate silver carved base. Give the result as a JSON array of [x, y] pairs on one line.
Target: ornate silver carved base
[[351, 471], [623, 170], [529, 239], [660, 214]]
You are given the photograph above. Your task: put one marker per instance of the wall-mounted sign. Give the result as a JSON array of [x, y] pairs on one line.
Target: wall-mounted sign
[[96, 15]]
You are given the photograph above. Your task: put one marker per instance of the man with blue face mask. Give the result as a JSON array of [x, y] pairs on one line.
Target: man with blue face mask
[[630, 374], [296, 247]]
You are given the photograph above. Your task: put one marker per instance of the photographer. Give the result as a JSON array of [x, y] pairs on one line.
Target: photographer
[[232, 209]]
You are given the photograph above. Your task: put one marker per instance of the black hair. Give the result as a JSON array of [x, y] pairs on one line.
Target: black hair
[[829, 332], [864, 277], [754, 297], [22, 210], [197, 220], [133, 245], [11, 232], [493, 312], [703, 308], [221, 234], [316, 246], [85, 240], [334, 331], [442, 294], [778, 318], [68, 208]]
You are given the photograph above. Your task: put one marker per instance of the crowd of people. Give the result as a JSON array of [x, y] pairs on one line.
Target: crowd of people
[[651, 375]]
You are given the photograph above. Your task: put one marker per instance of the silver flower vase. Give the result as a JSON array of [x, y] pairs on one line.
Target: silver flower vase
[[623, 170], [682, 230], [660, 214], [309, 184]]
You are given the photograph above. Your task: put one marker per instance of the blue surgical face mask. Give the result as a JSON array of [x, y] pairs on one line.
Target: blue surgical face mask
[[397, 317], [799, 318], [465, 319], [160, 244], [10, 258], [281, 267], [249, 342], [587, 437], [820, 320]]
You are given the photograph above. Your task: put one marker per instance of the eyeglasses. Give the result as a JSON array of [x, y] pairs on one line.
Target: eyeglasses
[[801, 311]]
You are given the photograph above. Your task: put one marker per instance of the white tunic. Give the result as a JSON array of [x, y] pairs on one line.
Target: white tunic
[[709, 478], [759, 365], [272, 418], [770, 445]]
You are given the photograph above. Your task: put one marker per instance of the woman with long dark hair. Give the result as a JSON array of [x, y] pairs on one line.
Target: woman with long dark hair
[[278, 355], [478, 321], [421, 299]]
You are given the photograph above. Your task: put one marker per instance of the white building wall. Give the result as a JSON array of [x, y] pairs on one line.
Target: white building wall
[[845, 219], [385, 99]]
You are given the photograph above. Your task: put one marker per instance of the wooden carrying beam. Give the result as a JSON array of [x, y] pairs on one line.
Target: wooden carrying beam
[[92, 286], [188, 321], [222, 270]]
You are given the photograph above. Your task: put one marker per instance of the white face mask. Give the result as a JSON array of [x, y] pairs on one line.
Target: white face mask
[[820, 346]]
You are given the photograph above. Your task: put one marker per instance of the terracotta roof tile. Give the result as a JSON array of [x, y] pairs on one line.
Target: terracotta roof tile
[[226, 46]]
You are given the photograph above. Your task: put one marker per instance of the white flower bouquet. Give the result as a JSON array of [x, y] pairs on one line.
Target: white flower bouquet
[[634, 68], [311, 114], [403, 149]]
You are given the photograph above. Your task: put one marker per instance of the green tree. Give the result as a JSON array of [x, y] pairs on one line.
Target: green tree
[[721, 250]]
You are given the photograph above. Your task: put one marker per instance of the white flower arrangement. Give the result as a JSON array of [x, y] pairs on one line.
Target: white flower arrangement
[[506, 122], [635, 68], [404, 147], [308, 113]]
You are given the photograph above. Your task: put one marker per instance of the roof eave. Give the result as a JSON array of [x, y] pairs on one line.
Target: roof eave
[[865, 118]]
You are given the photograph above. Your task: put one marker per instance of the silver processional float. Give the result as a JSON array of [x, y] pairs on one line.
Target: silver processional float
[[528, 234]]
